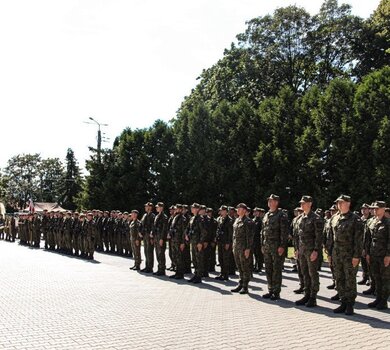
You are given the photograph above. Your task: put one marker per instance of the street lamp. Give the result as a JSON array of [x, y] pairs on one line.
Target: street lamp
[[99, 137]]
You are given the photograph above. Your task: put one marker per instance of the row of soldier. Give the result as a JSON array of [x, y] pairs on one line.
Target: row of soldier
[[242, 243]]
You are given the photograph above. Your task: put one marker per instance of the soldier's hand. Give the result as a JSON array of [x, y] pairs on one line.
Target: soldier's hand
[[161, 242], [227, 246], [313, 256], [246, 253], [280, 251], [386, 261], [330, 260], [187, 238], [199, 246], [355, 262], [368, 259], [205, 244], [137, 242], [182, 246]]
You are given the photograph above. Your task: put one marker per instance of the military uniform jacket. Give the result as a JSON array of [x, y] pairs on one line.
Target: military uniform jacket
[[89, 229], [160, 227], [258, 225], [310, 231], [224, 232], [135, 229], [294, 231], [346, 234], [197, 230], [68, 225], [178, 226], [147, 224], [275, 228], [378, 232], [242, 233]]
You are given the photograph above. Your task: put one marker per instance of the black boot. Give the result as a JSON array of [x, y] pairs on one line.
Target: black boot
[[179, 276], [335, 297], [197, 280], [374, 303], [349, 309], [275, 296], [382, 305], [237, 289], [300, 290], [369, 291], [302, 301], [332, 286], [341, 308], [312, 302], [363, 281], [244, 290], [267, 295]]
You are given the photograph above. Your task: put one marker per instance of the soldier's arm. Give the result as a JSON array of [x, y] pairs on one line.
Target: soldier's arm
[[387, 226], [164, 232], [283, 230], [203, 231], [358, 238], [319, 229], [248, 235]]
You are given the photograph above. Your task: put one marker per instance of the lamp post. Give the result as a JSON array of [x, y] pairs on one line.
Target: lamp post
[[99, 138]]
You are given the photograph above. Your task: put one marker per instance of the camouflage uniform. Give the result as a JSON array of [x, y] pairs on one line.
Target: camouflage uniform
[[274, 234], [147, 226], [159, 231], [346, 242], [379, 247], [309, 239], [258, 254], [242, 240], [179, 224], [224, 236], [198, 234], [135, 239]]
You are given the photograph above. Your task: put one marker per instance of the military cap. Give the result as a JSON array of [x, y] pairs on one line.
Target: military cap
[[327, 211], [333, 208], [203, 207], [387, 210], [185, 206], [259, 209], [231, 208], [242, 205], [149, 204], [89, 214], [319, 211], [223, 207], [68, 213], [298, 209], [378, 204], [365, 206], [160, 204], [125, 213], [179, 206], [106, 212], [135, 211], [195, 205], [306, 199], [274, 196], [343, 198], [171, 207], [209, 210], [44, 209], [82, 215], [76, 213]]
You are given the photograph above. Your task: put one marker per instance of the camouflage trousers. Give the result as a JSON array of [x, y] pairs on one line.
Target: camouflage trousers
[[224, 258], [178, 257], [381, 275], [309, 270], [90, 245], [300, 275], [136, 248], [149, 252], [160, 255], [345, 275], [200, 261], [170, 253], [243, 265], [273, 267], [258, 255]]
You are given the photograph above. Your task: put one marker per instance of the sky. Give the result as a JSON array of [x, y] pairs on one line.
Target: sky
[[125, 63]]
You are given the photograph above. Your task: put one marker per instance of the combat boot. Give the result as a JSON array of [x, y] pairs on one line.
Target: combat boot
[[219, 278], [192, 279], [332, 286], [335, 297], [275, 296], [369, 291], [244, 290], [302, 301], [349, 309], [197, 280], [300, 290], [382, 305], [363, 281], [374, 303], [237, 289], [312, 302], [179, 276], [341, 308], [267, 295]]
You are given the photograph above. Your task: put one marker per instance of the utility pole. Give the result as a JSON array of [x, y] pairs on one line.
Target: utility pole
[[99, 137]]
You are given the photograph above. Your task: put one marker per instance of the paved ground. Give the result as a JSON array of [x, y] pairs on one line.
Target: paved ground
[[50, 301]]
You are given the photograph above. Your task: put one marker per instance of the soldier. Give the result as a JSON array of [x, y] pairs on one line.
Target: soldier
[[232, 270], [89, 232], [210, 251], [346, 240], [295, 229], [187, 246], [2, 226], [147, 226], [259, 258], [111, 231], [224, 239], [119, 233], [197, 234], [44, 226], [105, 233], [170, 251], [126, 234], [365, 216], [378, 254], [242, 245], [176, 234], [76, 226], [67, 229], [309, 240], [274, 236], [159, 235], [135, 239], [328, 249]]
